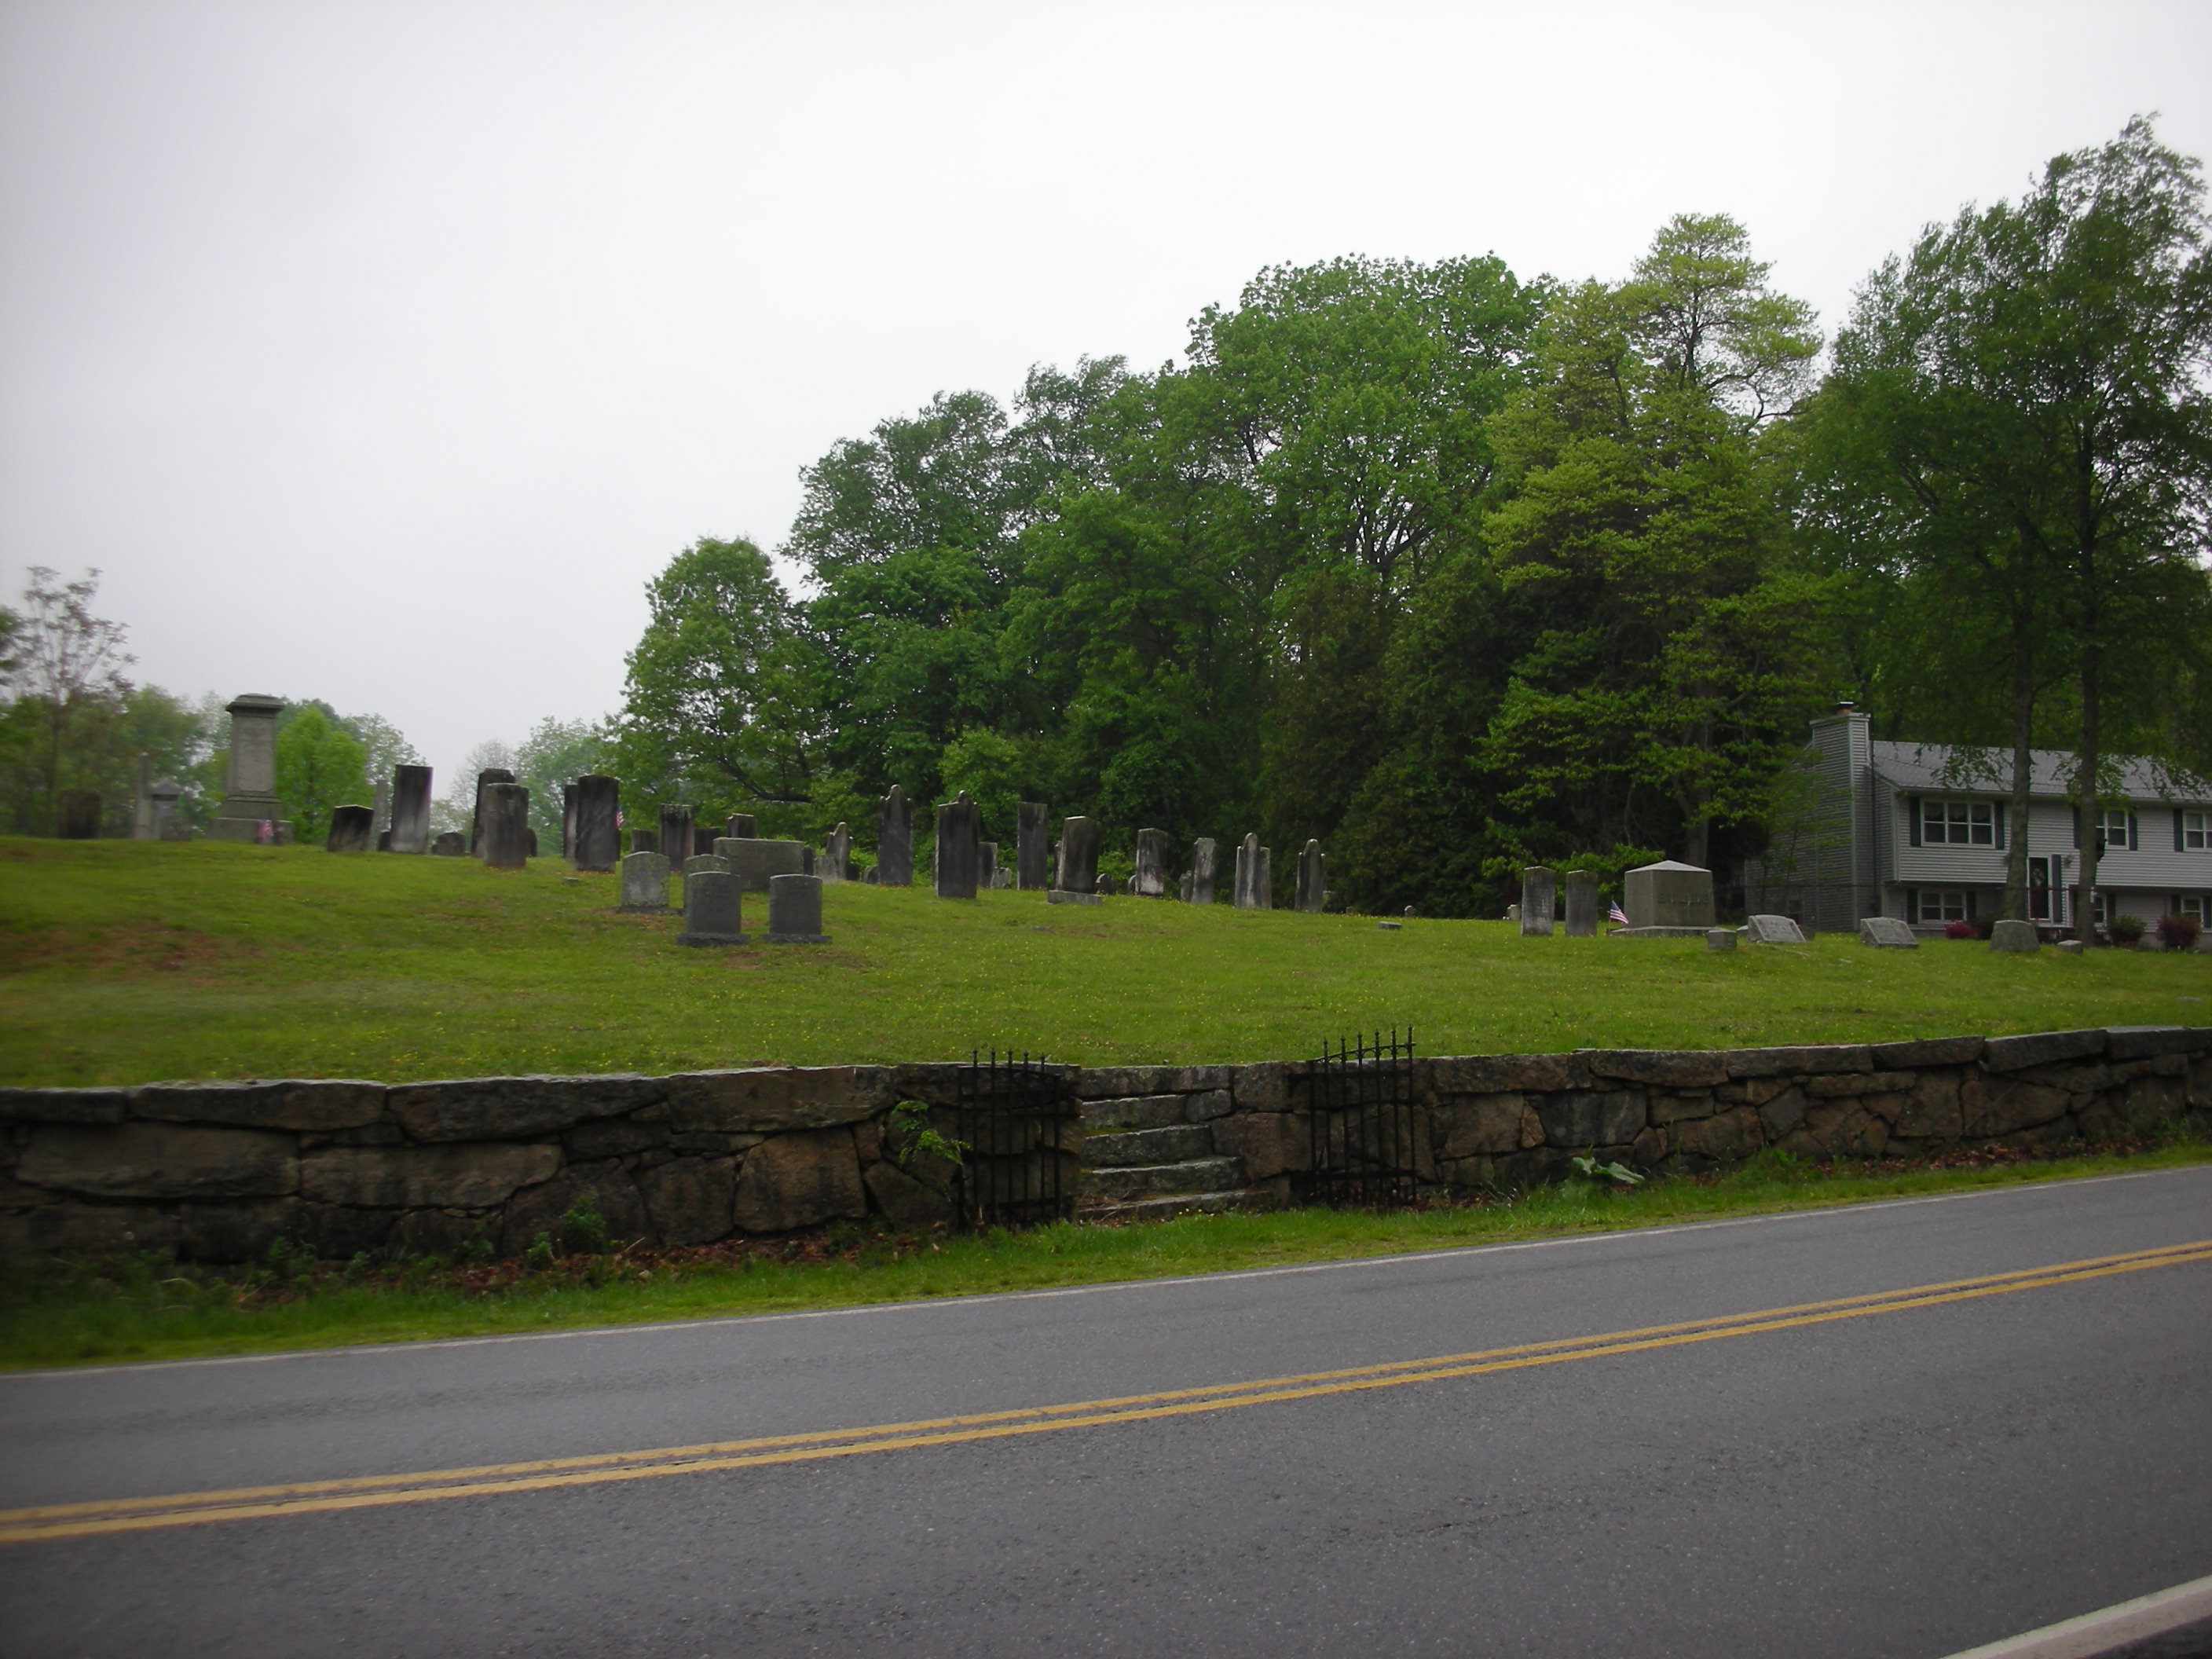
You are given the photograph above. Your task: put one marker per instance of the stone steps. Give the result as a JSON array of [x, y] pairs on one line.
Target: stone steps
[[1185, 1179], [1174, 1143], [1175, 1204]]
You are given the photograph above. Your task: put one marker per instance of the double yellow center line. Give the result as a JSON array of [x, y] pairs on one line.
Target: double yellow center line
[[543, 1474]]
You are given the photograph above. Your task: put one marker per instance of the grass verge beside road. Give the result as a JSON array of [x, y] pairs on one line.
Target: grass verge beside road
[[146, 1308]]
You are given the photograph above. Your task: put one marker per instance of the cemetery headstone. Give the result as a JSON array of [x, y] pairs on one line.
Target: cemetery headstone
[[987, 864], [1105, 886], [1512, 913], [894, 840], [713, 909], [794, 910], [1539, 892], [1668, 894], [739, 827], [168, 824], [569, 822], [2013, 934], [142, 799], [836, 863], [450, 844], [1256, 886], [79, 811], [1312, 892], [410, 809], [959, 833], [381, 805], [644, 882], [352, 829], [485, 780], [506, 825], [1581, 904], [597, 841], [250, 801], [753, 862], [1032, 858], [1151, 880], [1888, 932], [675, 843], [1203, 866], [1075, 872], [1720, 939], [1183, 885], [641, 840], [869, 877], [694, 865], [1773, 930]]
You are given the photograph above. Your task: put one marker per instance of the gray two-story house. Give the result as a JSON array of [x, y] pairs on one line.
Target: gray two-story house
[[1920, 831]]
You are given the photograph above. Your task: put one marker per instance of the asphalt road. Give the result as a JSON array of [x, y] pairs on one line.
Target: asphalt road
[[1902, 1475]]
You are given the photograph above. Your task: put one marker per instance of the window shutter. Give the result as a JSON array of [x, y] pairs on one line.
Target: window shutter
[[2003, 812], [2135, 835], [1973, 909], [2176, 829], [1913, 806], [1913, 904]]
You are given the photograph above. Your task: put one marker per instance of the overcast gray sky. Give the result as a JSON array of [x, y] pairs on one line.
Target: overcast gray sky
[[380, 352]]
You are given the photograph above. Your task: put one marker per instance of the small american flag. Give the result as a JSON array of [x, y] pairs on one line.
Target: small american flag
[[1618, 917]]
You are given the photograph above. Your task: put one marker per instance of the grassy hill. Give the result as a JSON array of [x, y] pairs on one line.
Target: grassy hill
[[123, 961]]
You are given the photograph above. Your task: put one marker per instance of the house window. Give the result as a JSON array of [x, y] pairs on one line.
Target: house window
[[1959, 823], [2191, 904], [2116, 831], [2100, 906], [2197, 831], [1942, 904]]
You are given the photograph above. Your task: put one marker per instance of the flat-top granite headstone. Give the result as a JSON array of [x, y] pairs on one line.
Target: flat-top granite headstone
[[1255, 884], [1773, 930], [675, 842], [450, 844], [169, 822], [987, 864], [597, 841], [251, 798], [2013, 934], [1720, 939], [1151, 880], [1312, 884], [794, 910], [380, 804], [738, 826], [353, 829], [1888, 932], [959, 837], [485, 779], [410, 809], [1581, 904], [754, 862], [835, 863], [644, 882], [713, 909], [1032, 857], [506, 825], [1205, 866], [1075, 878], [1539, 894], [1668, 895], [894, 840]]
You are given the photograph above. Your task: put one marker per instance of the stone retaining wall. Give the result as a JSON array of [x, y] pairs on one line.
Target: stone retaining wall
[[217, 1172]]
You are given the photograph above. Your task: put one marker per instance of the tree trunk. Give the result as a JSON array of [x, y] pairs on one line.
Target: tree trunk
[[2023, 721], [2084, 790]]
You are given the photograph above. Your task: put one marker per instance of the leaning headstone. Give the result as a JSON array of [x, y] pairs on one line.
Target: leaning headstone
[[675, 843], [1581, 904], [794, 910], [987, 864], [1312, 887], [1203, 866], [506, 825], [1075, 872], [959, 837], [1032, 858], [644, 882], [251, 798], [754, 862], [1255, 883], [450, 844], [739, 827], [1888, 932], [2013, 934], [485, 780], [1539, 894], [1668, 895], [714, 910], [79, 811], [1720, 939], [598, 842], [1105, 886], [894, 840], [836, 861], [410, 809], [1150, 878], [1773, 930], [353, 829]]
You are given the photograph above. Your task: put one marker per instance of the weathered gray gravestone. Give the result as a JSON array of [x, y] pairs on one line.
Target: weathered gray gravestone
[[675, 843], [79, 813], [410, 809], [641, 840], [644, 882], [1255, 883], [142, 799], [1313, 885], [959, 834], [739, 827], [1075, 873], [1668, 895], [568, 821], [987, 864], [1581, 904], [450, 844], [1032, 866], [714, 910], [1184, 884], [381, 825], [794, 910], [169, 822], [1539, 894], [753, 862], [1720, 939], [597, 841], [1888, 932], [353, 829], [1773, 930], [694, 865], [485, 780], [1151, 880], [1105, 886], [837, 862], [1203, 867], [894, 840], [251, 797], [505, 824], [2012, 935]]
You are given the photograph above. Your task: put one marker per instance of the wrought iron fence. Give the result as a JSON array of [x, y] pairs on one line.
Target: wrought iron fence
[[1014, 1118], [1360, 1098]]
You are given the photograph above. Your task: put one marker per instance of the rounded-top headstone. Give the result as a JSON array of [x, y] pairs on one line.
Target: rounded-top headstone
[[2012, 935], [644, 882], [713, 909], [794, 910]]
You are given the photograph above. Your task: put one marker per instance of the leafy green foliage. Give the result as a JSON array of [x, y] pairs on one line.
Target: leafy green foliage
[[319, 766]]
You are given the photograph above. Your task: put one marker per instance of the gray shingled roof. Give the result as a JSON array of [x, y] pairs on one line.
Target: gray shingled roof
[[1963, 767]]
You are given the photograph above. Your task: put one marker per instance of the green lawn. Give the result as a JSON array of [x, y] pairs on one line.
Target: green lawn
[[122, 961]]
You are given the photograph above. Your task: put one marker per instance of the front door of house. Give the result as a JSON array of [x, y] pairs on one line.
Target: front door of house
[[2039, 888]]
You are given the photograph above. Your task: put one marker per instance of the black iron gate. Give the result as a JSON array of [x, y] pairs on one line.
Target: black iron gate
[[1361, 1101], [1017, 1121]]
